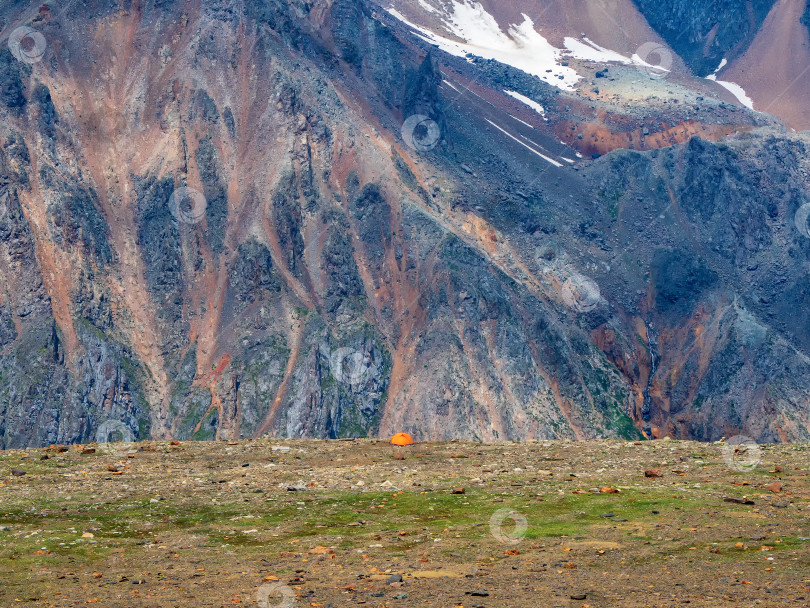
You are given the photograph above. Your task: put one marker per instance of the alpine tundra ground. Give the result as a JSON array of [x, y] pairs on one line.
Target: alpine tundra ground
[[344, 523]]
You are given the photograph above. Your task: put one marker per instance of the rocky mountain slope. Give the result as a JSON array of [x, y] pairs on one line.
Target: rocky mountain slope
[[227, 219]]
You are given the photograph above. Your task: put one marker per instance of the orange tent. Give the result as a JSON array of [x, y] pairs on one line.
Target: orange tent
[[402, 439]]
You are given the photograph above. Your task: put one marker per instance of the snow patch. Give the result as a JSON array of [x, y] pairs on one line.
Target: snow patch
[[590, 51], [521, 47], [517, 119], [529, 102], [427, 6], [735, 90], [477, 33], [543, 156]]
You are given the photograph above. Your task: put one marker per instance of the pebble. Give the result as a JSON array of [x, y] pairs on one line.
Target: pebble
[[394, 578], [17, 472]]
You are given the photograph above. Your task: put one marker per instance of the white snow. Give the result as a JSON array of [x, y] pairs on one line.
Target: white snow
[[735, 90], [517, 119], [521, 47], [721, 66], [590, 51], [450, 84], [529, 102], [427, 6], [543, 156], [477, 33]]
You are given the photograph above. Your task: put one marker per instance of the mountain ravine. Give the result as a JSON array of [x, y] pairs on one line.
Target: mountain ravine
[[224, 220]]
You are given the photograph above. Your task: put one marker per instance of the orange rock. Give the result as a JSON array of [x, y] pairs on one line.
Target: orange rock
[[653, 473], [608, 491], [774, 487]]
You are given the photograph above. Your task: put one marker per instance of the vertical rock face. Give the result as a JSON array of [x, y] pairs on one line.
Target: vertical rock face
[[214, 224], [704, 33]]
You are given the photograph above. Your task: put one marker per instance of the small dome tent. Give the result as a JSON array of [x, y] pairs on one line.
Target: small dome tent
[[402, 439]]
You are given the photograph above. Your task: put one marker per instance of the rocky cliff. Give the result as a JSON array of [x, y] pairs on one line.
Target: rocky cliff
[[705, 33], [225, 220]]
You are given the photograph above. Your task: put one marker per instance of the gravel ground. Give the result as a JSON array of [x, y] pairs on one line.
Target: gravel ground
[[287, 523]]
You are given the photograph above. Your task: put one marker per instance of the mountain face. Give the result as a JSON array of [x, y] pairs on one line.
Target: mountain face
[[705, 33], [342, 218]]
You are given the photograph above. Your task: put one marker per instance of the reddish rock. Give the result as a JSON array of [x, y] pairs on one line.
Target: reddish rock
[[774, 487], [653, 473], [459, 491]]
